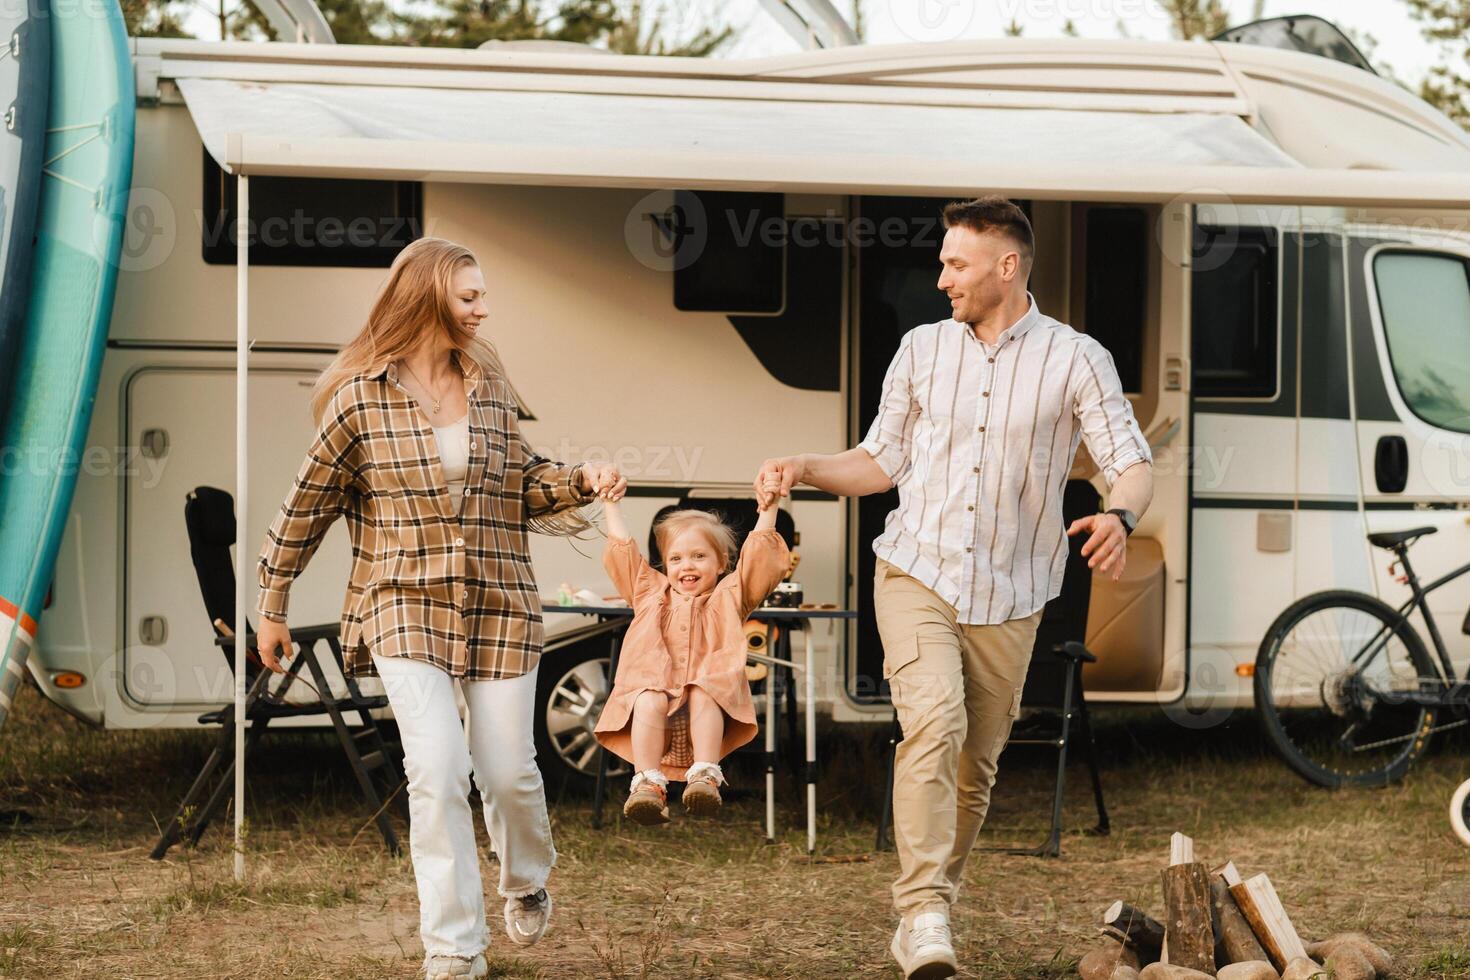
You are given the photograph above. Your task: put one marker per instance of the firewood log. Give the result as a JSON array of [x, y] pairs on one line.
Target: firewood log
[[1268, 919], [1238, 943], [1144, 933], [1188, 917]]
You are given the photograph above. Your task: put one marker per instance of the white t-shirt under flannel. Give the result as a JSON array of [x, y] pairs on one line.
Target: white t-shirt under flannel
[[979, 441]]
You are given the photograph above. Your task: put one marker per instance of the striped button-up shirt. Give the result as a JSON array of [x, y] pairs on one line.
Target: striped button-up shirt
[[434, 579], [979, 440]]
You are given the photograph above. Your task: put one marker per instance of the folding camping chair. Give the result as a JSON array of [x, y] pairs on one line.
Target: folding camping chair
[[1053, 685], [209, 515]]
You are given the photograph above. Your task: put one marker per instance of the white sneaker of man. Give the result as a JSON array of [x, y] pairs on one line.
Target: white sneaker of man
[[456, 968], [526, 917], [924, 950]]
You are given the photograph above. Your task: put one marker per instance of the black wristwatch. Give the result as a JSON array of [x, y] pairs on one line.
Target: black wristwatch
[[1129, 519]]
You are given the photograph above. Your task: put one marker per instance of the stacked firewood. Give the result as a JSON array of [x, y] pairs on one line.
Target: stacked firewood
[[1218, 924]]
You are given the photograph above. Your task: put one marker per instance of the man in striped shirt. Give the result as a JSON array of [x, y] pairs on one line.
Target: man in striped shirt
[[977, 427]]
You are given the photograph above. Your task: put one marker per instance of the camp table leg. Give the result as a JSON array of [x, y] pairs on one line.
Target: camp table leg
[[811, 739], [771, 678]]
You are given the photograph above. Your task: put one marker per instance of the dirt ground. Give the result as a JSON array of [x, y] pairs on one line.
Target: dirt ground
[[80, 898]]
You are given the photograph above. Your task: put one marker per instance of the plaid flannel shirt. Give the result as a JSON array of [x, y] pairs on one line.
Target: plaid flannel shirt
[[431, 580]]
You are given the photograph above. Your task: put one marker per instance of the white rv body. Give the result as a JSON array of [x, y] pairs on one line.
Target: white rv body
[[554, 168]]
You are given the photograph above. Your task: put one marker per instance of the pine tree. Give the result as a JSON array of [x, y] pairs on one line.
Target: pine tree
[[155, 18], [1447, 86], [624, 26], [1196, 18]]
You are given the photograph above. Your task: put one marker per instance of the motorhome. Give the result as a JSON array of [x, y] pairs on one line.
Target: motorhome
[[695, 264]]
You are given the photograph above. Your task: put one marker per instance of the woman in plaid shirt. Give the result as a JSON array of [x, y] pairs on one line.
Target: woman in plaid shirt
[[419, 447]]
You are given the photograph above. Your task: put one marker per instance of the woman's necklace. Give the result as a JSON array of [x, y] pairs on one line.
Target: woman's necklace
[[437, 401]]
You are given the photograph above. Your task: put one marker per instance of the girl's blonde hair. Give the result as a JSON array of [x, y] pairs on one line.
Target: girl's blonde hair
[[676, 522], [413, 308]]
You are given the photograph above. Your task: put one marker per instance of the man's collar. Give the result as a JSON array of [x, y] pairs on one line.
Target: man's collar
[[1015, 331]]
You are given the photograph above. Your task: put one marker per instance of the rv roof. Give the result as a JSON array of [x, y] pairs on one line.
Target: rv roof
[[1294, 113]]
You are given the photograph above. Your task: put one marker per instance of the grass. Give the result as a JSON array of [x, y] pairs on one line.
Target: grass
[[79, 896]]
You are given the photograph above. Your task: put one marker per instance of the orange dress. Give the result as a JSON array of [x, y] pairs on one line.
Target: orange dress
[[678, 641]]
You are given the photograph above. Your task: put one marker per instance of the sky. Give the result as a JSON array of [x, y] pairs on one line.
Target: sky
[[1401, 45]]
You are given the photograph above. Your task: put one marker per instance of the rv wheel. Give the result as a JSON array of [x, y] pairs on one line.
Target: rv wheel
[[571, 687]]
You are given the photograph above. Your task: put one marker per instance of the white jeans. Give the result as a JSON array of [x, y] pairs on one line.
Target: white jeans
[[439, 753]]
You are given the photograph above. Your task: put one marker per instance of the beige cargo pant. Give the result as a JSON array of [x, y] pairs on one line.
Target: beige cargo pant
[[957, 691]]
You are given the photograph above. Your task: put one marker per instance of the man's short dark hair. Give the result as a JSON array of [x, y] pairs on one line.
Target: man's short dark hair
[[995, 213]]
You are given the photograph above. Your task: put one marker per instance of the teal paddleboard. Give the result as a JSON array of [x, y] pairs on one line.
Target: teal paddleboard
[[84, 195], [25, 74]]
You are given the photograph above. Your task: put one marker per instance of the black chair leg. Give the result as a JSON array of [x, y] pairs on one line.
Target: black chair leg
[[895, 735], [223, 753], [1089, 747], [1053, 845], [174, 829], [362, 766], [225, 788]]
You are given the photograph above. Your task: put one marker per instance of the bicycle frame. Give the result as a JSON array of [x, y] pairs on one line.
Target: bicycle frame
[[1453, 690]]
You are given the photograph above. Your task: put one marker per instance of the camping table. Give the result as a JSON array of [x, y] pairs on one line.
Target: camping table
[[795, 619]]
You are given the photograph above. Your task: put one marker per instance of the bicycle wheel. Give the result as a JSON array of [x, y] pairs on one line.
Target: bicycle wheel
[[1330, 678], [1460, 812]]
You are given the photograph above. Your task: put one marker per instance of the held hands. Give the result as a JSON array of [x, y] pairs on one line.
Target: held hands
[[776, 478], [1106, 548], [268, 638], [604, 480]]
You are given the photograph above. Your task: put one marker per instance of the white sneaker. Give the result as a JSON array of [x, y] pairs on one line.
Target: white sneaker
[[924, 951], [526, 918], [454, 967]]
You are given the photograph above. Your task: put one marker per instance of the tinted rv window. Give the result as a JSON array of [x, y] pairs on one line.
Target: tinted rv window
[[1235, 312], [312, 221], [1117, 287], [1425, 301], [740, 267]]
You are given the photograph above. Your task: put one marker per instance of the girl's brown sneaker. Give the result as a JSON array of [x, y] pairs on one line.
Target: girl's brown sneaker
[[648, 804]]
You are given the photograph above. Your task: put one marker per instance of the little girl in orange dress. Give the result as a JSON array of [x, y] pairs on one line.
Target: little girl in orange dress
[[681, 701]]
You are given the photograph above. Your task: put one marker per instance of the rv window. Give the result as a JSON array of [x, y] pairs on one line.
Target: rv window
[[741, 266], [1117, 287], [1425, 301], [312, 221], [1235, 312]]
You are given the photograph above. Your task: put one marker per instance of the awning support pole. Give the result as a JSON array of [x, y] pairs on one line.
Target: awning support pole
[[242, 502]]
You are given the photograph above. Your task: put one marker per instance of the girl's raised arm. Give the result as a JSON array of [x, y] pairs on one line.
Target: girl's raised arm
[[616, 527], [630, 572]]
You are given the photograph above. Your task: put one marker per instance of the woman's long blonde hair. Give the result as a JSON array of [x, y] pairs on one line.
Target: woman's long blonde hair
[[413, 308]]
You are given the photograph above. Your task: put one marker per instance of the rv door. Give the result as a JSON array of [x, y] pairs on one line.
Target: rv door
[[1411, 333]]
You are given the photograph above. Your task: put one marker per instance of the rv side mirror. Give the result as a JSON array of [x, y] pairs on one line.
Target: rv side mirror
[[1391, 464]]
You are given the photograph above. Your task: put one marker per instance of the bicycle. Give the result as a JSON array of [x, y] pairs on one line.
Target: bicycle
[[1346, 689], [1460, 812]]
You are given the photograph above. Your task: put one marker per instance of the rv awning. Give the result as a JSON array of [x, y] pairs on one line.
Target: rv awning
[[657, 141]]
